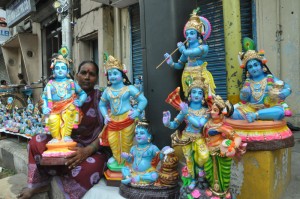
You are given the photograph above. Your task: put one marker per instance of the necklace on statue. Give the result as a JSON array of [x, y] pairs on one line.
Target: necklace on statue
[[61, 88], [116, 99], [139, 155], [198, 113], [258, 88]]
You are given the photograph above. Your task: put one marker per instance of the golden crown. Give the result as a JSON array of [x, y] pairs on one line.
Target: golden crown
[[251, 54], [223, 105], [198, 82], [113, 63], [194, 22], [60, 58]]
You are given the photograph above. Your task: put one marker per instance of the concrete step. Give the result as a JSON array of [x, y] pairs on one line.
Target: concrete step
[[14, 156], [11, 186]]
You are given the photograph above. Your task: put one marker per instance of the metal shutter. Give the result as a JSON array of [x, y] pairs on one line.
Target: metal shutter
[[213, 11], [136, 50]]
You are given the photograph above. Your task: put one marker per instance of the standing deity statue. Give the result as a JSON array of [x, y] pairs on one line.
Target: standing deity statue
[[196, 31], [191, 141], [263, 94], [119, 120], [62, 97]]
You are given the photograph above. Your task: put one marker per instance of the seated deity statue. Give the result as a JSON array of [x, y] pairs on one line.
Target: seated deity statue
[[223, 144], [142, 158], [118, 132], [62, 97], [193, 51], [263, 95], [191, 140]]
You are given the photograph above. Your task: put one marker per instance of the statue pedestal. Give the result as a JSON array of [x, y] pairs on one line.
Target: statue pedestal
[[265, 169], [266, 174], [149, 192], [56, 153], [113, 178]]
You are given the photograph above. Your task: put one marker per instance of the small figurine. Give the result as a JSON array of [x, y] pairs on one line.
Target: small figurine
[[223, 144], [119, 130], [62, 97], [194, 114], [142, 169], [263, 94], [196, 31]]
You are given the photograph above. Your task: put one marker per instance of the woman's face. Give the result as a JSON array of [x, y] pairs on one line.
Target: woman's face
[[114, 76], [196, 95], [214, 113], [87, 77], [142, 135]]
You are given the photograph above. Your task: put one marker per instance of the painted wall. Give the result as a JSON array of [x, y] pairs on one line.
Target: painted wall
[[278, 33]]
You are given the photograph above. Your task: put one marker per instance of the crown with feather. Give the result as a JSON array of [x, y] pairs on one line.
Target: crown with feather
[[195, 22], [196, 82], [112, 62], [61, 56], [250, 53]]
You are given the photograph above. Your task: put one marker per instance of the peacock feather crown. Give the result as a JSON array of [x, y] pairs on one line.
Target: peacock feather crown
[[250, 53], [61, 57]]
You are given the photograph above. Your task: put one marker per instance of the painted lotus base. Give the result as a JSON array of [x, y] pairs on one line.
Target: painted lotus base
[[59, 149], [263, 135]]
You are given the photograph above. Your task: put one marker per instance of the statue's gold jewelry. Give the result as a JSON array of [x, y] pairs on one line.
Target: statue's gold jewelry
[[61, 88], [116, 105], [198, 113], [194, 22], [257, 93]]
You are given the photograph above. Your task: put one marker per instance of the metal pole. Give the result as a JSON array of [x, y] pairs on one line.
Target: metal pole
[[66, 31]]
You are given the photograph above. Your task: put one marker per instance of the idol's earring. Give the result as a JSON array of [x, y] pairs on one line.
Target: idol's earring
[[108, 82], [265, 69], [124, 80], [149, 140], [200, 40], [189, 98], [203, 101], [247, 74], [68, 75]]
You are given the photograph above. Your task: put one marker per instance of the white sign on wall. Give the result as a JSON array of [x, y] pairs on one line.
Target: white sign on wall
[[4, 30]]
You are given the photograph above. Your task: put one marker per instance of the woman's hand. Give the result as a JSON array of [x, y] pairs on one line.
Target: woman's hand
[[169, 58], [80, 154], [166, 118]]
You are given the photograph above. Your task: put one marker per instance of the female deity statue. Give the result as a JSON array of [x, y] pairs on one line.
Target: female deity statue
[[119, 130], [190, 139], [223, 144], [142, 158], [61, 98], [196, 31], [262, 96]]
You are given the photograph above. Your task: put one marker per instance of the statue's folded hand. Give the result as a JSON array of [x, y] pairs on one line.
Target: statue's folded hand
[[46, 110], [77, 102]]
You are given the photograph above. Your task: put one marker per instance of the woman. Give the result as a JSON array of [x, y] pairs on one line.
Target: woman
[[190, 139], [85, 166], [223, 144]]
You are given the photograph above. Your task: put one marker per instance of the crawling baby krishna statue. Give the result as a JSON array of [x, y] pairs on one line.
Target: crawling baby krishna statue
[[61, 97]]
